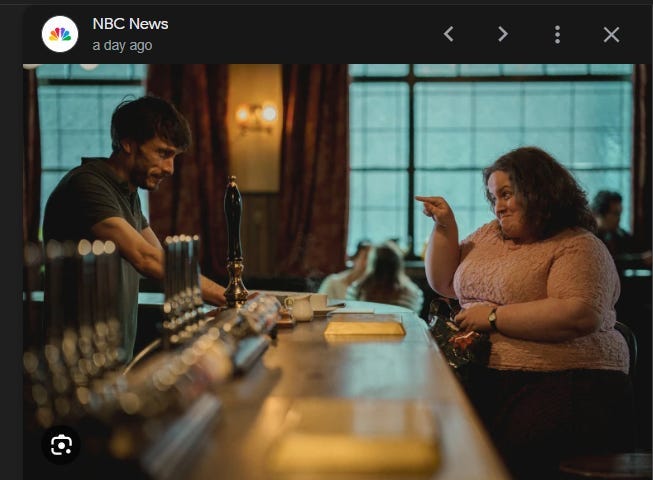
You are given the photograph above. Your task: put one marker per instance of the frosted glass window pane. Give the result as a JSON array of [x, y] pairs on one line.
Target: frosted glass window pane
[[48, 109], [436, 70], [600, 104], [601, 148], [556, 143], [380, 148], [479, 69], [356, 190], [460, 189], [50, 149], [385, 189], [378, 70], [144, 195], [378, 226], [567, 68], [548, 105], [523, 69], [498, 105], [59, 70], [382, 105], [611, 68], [443, 105], [492, 144], [75, 146], [356, 228], [106, 71], [443, 149]]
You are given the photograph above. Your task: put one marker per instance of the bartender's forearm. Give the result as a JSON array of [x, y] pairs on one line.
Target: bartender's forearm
[[212, 292]]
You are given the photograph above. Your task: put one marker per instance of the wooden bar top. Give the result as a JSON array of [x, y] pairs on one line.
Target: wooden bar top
[[354, 394]]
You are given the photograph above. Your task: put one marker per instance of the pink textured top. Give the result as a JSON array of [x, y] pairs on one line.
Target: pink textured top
[[571, 264]]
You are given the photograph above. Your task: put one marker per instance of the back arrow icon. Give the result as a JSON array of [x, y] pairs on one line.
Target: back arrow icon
[[504, 34], [446, 33]]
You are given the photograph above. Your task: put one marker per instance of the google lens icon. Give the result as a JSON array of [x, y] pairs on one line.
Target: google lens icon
[[59, 34]]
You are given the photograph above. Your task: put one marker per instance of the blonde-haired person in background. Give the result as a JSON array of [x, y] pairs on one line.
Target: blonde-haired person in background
[[336, 284], [386, 281]]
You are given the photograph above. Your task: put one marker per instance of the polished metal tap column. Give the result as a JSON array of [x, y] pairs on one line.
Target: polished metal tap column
[[235, 293]]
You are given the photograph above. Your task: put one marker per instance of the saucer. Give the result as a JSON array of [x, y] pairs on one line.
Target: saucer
[[321, 312]]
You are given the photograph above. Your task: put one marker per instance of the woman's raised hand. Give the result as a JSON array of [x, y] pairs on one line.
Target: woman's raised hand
[[438, 209]]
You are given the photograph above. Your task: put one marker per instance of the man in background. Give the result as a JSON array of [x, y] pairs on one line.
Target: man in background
[[607, 208]]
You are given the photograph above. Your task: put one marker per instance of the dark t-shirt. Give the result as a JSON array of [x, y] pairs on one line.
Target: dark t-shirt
[[621, 245], [85, 196]]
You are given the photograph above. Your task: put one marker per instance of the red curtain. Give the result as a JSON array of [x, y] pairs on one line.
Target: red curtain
[[32, 158], [641, 166], [314, 192], [192, 200]]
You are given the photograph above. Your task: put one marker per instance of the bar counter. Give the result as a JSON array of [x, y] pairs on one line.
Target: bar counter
[[401, 376]]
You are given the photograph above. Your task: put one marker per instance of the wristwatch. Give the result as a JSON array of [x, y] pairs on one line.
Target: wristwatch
[[492, 318]]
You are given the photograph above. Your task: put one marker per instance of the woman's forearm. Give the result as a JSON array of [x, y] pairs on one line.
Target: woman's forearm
[[442, 258], [548, 320]]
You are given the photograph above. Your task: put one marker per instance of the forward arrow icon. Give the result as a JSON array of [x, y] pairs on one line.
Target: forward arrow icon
[[504, 34]]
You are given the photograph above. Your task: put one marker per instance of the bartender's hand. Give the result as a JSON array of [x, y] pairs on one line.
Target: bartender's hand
[[474, 318], [438, 209], [212, 292]]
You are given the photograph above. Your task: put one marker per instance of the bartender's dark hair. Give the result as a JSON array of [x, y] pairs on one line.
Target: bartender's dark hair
[[552, 199], [146, 117]]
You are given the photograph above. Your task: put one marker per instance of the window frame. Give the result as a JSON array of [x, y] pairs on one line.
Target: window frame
[[411, 79]]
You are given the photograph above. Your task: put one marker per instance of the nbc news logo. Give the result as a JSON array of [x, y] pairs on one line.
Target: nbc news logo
[[59, 34]]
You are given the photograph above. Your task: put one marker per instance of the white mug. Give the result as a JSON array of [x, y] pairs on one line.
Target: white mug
[[300, 306], [319, 301]]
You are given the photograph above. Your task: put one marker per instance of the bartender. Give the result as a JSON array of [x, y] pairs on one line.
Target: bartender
[[98, 200]]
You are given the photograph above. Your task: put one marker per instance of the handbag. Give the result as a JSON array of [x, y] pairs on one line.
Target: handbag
[[464, 351]]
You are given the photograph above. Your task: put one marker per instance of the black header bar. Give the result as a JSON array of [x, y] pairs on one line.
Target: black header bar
[[347, 34]]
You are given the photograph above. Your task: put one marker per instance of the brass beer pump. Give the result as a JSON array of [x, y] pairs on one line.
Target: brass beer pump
[[235, 293]]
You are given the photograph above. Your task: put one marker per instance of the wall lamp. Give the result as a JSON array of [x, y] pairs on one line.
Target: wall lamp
[[256, 117]]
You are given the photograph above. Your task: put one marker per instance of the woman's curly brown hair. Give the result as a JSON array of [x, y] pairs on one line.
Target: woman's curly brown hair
[[552, 199]]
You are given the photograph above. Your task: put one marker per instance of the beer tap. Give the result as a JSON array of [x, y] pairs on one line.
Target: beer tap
[[235, 293], [37, 390], [198, 302]]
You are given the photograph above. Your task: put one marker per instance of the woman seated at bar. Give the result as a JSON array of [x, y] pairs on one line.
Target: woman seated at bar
[[545, 286], [386, 281]]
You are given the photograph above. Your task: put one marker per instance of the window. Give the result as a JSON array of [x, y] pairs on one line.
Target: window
[[75, 107], [430, 130]]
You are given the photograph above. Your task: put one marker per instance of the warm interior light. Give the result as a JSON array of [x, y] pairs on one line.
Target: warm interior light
[[242, 115], [269, 113], [256, 117]]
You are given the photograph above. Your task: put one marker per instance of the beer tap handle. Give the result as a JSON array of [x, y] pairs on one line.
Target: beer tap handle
[[235, 293], [233, 211]]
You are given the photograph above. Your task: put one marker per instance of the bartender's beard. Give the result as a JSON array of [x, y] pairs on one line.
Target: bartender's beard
[[148, 180]]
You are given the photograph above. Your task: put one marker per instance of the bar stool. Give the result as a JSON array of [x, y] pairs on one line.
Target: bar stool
[[617, 466]]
